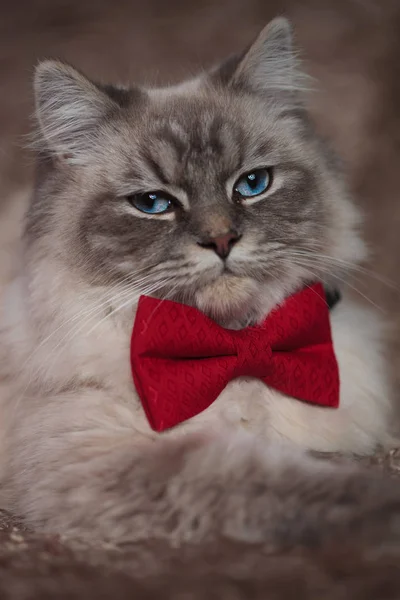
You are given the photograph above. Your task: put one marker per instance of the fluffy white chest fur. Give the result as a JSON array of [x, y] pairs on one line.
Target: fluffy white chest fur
[[101, 355]]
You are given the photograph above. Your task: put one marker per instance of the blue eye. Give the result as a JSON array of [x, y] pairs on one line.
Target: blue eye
[[253, 183], [153, 203]]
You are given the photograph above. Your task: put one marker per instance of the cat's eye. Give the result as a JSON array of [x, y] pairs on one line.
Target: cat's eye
[[152, 203], [253, 183]]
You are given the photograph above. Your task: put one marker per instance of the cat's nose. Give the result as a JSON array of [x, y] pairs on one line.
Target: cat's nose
[[222, 244]]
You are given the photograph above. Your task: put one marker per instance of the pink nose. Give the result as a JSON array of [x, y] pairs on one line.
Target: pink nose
[[222, 244]]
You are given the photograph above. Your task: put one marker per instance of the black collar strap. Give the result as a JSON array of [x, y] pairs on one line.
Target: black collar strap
[[333, 296]]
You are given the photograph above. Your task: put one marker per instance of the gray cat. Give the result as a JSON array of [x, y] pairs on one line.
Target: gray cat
[[216, 193]]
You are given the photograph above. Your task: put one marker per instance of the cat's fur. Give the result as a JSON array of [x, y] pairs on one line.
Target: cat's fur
[[77, 453]]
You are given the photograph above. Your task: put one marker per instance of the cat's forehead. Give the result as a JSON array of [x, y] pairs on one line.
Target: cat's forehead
[[217, 133], [197, 135]]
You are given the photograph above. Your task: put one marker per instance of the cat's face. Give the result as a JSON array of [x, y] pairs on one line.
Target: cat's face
[[206, 199], [215, 193]]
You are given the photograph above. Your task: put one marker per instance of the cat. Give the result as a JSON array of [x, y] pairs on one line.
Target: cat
[[135, 189]]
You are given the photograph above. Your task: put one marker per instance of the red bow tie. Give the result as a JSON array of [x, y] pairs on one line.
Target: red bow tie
[[182, 360]]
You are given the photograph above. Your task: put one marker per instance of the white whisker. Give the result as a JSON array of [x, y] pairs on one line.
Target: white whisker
[[308, 264]]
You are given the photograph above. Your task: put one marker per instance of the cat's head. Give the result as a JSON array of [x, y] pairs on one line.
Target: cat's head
[[215, 192]]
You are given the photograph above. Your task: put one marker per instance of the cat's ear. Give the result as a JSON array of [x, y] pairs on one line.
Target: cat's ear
[[270, 64], [69, 110]]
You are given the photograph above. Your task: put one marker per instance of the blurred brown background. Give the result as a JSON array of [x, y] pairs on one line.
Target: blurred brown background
[[351, 46]]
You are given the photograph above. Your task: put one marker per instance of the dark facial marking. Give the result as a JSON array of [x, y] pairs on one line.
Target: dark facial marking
[[154, 165], [166, 134]]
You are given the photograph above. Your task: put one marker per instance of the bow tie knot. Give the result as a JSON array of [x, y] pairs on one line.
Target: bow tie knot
[[253, 354]]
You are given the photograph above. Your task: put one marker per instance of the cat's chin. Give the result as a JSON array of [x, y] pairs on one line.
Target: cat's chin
[[231, 301]]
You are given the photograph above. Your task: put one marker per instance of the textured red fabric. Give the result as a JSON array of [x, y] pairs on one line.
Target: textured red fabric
[[182, 360]]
